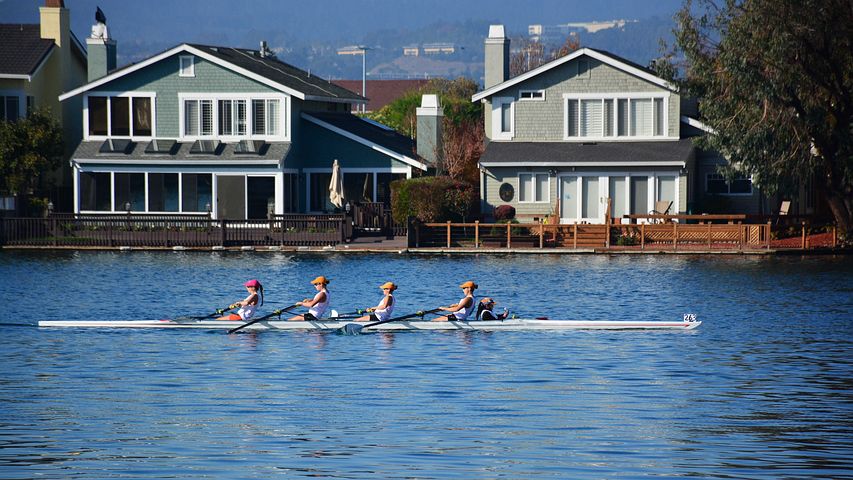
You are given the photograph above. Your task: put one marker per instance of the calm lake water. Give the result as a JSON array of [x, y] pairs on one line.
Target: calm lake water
[[762, 389]]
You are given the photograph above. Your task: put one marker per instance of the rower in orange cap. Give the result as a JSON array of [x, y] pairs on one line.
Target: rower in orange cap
[[385, 308], [316, 306], [464, 308]]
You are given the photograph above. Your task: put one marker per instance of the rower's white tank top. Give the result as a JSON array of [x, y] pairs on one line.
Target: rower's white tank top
[[247, 311], [463, 313], [386, 312], [319, 308]]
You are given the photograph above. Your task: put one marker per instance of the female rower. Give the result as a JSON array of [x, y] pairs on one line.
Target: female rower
[[460, 311], [486, 310], [316, 306], [249, 304], [385, 308]]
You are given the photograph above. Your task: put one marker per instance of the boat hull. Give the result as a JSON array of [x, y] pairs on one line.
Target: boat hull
[[513, 324]]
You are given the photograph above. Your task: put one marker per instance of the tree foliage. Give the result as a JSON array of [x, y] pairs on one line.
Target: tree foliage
[[29, 148], [774, 80], [532, 54], [431, 199]]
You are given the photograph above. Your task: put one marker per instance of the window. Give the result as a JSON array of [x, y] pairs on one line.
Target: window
[[130, 189], [533, 187], [506, 118], [187, 67], [196, 192], [358, 187], [95, 191], [126, 116], [716, 183], [608, 117], [532, 95], [162, 192], [10, 108], [502, 118], [229, 117]]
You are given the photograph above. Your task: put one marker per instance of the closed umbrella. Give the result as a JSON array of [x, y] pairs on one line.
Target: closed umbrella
[[336, 186]]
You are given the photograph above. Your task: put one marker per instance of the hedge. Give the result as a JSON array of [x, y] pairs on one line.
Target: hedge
[[431, 199]]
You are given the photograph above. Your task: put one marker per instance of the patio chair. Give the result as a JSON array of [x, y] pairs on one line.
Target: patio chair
[[661, 208], [784, 209]]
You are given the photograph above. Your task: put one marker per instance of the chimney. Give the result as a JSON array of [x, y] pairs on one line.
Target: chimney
[[101, 49], [497, 56], [429, 132], [55, 22]]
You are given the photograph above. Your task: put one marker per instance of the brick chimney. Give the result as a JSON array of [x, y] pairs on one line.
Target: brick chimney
[[430, 116], [497, 56]]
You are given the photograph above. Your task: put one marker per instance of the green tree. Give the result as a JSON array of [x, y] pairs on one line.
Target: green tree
[[774, 80], [29, 148]]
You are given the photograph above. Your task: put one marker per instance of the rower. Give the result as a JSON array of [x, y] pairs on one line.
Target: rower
[[249, 305], [316, 306], [462, 310], [486, 310], [385, 308]]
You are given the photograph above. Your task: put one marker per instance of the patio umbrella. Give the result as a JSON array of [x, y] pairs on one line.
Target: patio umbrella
[[336, 186]]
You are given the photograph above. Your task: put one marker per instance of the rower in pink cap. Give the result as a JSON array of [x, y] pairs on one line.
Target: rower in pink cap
[[249, 305]]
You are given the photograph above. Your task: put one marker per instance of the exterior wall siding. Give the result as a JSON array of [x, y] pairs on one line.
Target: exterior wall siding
[[320, 148], [162, 78], [543, 121]]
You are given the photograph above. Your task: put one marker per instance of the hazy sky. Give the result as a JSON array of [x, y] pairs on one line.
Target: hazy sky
[[228, 21]]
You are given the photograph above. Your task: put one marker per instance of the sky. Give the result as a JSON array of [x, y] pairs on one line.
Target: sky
[[228, 21]]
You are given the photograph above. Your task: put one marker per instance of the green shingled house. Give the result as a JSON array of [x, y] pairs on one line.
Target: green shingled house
[[232, 131], [567, 136]]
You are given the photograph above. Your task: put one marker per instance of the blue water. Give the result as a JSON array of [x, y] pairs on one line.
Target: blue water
[[762, 389]]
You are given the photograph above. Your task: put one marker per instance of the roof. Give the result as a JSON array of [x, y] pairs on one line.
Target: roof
[[267, 70], [369, 133], [601, 154], [22, 50], [382, 92], [600, 55], [89, 152]]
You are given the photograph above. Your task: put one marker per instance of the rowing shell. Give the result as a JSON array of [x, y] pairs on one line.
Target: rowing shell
[[488, 325]]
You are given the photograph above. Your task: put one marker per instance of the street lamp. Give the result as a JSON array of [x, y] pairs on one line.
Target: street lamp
[[363, 51]]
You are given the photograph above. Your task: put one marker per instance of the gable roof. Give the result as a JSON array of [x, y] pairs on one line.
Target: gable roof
[[382, 92], [600, 55], [268, 71], [368, 133], [22, 50]]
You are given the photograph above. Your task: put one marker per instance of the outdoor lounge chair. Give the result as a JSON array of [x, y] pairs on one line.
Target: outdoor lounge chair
[[784, 209], [661, 208]]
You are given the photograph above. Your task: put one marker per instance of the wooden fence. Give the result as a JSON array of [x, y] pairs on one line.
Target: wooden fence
[[135, 230]]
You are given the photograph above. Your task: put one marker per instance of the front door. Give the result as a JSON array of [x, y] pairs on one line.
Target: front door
[[231, 197]]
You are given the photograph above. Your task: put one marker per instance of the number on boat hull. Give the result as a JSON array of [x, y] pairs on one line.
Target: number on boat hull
[[689, 317]]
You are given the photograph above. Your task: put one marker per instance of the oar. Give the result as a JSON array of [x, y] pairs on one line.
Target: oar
[[218, 312], [273, 314], [337, 316], [355, 328]]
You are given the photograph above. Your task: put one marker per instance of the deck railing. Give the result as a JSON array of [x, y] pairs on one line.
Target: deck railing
[[135, 230]]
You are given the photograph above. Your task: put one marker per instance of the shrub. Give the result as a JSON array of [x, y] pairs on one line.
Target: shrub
[[504, 212], [431, 199]]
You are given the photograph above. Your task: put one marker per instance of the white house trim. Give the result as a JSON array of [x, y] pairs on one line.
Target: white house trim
[[379, 148], [130, 94], [568, 58], [584, 164], [697, 124]]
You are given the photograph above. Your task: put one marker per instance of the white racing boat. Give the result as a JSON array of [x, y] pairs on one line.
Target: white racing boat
[[689, 323]]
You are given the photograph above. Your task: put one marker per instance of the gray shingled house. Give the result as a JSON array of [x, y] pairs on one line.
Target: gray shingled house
[[567, 136], [229, 130]]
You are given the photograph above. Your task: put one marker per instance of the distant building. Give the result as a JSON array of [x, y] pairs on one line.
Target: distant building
[[556, 33], [351, 50], [382, 92], [411, 51], [438, 48]]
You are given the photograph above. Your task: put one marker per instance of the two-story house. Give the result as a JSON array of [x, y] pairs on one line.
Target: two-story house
[[37, 63], [230, 131], [588, 128]]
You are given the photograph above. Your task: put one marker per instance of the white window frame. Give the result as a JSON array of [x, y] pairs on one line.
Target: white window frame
[[728, 185], [604, 191], [532, 97], [533, 193], [186, 70], [152, 96], [284, 102], [629, 96], [497, 119]]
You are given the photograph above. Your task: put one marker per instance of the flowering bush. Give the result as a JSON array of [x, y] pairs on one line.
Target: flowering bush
[[504, 212]]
